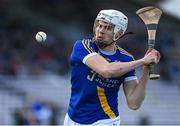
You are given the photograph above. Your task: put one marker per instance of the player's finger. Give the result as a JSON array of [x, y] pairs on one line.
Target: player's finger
[[148, 51], [155, 52], [158, 56]]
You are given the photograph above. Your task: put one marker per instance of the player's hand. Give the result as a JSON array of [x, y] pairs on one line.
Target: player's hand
[[158, 56], [152, 56]]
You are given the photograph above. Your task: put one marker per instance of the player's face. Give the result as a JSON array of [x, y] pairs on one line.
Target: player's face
[[104, 32]]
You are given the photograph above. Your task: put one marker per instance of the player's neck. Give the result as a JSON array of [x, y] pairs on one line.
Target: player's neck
[[110, 48]]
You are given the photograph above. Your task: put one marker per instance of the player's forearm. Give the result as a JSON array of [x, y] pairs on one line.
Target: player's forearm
[[138, 95], [120, 68]]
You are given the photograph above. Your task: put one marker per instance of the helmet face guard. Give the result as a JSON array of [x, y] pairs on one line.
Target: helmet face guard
[[114, 18], [105, 28], [109, 27]]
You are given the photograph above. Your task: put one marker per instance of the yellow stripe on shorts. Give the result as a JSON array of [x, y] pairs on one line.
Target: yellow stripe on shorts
[[104, 103]]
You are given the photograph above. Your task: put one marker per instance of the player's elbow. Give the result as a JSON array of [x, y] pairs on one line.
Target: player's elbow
[[106, 73], [134, 106]]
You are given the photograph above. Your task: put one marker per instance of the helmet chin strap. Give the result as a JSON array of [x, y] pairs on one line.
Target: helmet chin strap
[[102, 44], [127, 33]]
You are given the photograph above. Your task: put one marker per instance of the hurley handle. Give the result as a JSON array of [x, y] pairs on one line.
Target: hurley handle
[[151, 28]]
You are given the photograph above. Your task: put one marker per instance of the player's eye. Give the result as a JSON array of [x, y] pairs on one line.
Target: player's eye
[[99, 26], [109, 28]]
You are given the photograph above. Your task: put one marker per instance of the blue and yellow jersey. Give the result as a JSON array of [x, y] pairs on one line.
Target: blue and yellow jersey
[[93, 97]]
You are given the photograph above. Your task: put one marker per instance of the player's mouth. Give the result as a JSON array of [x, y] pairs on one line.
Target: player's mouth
[[100, 38]]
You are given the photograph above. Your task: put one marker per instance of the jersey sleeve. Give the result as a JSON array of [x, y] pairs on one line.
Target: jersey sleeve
[[130, 75], [82, 51]]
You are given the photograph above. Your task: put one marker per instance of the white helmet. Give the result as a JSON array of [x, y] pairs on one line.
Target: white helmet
[[117, 18]]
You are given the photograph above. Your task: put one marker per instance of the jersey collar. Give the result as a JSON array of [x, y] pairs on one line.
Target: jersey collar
[[106, 52]]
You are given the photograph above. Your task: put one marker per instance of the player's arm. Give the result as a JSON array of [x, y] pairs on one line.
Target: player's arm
[[115, 69], [135, 90]]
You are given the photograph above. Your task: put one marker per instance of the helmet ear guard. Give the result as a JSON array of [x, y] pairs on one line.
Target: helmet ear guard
[[117, 36]]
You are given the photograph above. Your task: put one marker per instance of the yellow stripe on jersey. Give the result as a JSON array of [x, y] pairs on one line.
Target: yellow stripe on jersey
[[124, 51], [89, 47], [86, 47], [104, 103]]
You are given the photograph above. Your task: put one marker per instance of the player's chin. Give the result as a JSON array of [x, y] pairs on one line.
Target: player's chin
[[99, 40]]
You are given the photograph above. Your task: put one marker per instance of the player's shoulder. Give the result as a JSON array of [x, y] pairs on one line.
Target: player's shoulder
[[85, 43], [125, 53]]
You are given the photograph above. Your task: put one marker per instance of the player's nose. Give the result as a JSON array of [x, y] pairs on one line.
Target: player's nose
[[102, 30]]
